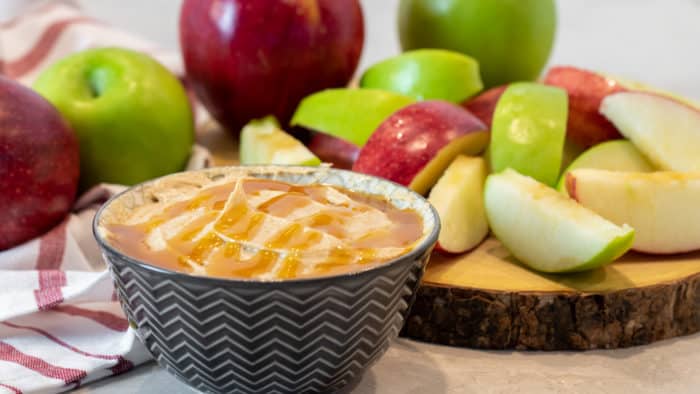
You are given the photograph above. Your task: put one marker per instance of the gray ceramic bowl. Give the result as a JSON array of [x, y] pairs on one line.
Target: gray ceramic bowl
[[292, 336]]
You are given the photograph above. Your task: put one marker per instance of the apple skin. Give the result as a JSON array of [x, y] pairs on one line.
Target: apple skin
[[329, 149], [251, 58], [40, 164], [586, 89], [511, 39], [483, 105], [415, 145], [131, 115]]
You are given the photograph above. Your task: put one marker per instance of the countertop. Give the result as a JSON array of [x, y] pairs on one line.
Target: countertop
[[654, 41]]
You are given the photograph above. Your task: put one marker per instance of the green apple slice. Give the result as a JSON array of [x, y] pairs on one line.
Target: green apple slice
[[617, 155], [264, 142], [349, 114], [528, 131], [427, 74], [548, 231]]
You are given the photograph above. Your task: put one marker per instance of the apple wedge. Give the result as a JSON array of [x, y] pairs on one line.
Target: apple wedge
[[426, 74], [616, 155], [528, 131], [546, 230], [264, 142], [661, 206], [337, 151], [458, 198], [664, 129], [483, 105], [348, 114], [414, 146]]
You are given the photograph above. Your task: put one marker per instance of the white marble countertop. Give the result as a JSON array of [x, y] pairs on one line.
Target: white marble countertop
[[655, 41]]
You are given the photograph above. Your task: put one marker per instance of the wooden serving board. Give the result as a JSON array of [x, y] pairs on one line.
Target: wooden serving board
[[486, 299]]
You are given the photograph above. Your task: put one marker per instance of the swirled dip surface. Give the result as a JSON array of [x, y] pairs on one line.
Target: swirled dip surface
[[264, 229]]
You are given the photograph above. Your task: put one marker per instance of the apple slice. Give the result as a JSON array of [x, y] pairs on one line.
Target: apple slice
[[664, 129], [528, 132], [349, 114], [483, 105], [415, 145], [263, 142], [616, 155], [586, 90], [458, 198], [548, 231], [427, 74], [661, 206], [329, 149]]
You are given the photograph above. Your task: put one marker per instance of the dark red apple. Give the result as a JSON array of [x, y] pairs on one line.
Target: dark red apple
[[414, 146], [341, 153], [247, 59], [39, 165], [586, 89], [483, 105]]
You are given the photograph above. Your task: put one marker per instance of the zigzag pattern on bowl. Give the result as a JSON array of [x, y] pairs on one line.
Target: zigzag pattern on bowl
[[256, 338]]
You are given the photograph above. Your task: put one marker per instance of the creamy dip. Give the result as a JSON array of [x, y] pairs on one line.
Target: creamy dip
[[264, 229]]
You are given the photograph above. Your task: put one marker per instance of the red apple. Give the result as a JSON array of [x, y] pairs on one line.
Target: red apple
[[248, 59], [483, 105], [341, 153], [414, 146], [586, 89], [39, 164]]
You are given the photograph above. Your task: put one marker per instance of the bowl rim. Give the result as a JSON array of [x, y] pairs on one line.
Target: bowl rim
[[425, 245]]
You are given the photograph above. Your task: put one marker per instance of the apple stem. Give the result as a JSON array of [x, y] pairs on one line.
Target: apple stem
[[97, 80]]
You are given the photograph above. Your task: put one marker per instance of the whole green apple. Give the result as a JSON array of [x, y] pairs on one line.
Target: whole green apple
[[511, 39], [132, 116]]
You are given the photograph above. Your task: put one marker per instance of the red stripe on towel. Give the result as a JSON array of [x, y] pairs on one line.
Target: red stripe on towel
[[109, 320], [68, 375], [11, 388], [51, 248]]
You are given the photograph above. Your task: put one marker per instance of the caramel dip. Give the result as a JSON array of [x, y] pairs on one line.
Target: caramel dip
[[254, 228]]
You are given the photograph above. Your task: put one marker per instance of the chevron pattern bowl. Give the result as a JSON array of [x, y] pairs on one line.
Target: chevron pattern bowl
[[294, 336]]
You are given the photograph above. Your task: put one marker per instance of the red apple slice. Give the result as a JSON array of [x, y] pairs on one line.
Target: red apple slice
[[664, 129], [586, 90], [415, 144], [483, 105], [330, 149], [458, 198], [662, 207]]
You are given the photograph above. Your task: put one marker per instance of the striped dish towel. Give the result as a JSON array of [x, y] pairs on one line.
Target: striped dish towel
[[60, 323]]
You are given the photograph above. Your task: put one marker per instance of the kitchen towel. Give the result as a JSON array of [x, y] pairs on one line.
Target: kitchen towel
[[60, 323]]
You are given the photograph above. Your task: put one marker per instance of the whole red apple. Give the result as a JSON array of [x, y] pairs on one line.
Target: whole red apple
[[248, 59], [39, 164]]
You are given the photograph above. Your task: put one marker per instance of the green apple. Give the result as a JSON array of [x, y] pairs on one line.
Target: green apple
[[528, 131], [426, 74], [131, 115], [511, 39], [546, 230], [264, 142], [616, 155], [348, 114]]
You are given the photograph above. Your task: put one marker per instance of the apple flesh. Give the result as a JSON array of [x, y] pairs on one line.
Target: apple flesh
[[661, 206], [426, 74], [247, 59], [349, 114], [617, 155], [586, 90], [329, 149], [40, 165], [528, 131], [414, 146], [458, 198], [546, 230], [483, 105], [131, 115], [263, 142], [664, 129]]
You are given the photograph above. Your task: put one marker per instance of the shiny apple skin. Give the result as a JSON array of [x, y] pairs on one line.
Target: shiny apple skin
[[247, 59], [483, 105], [342, 154], [39, 165]]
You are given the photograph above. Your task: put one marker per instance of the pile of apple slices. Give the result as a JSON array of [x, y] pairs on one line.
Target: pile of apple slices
[[568, 174]]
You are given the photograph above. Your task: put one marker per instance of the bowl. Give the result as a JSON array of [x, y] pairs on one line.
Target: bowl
[[285, 336]]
